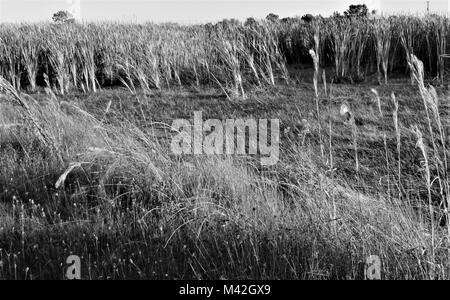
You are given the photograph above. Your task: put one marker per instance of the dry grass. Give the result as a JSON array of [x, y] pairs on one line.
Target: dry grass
[[132, 210], [95, 180]]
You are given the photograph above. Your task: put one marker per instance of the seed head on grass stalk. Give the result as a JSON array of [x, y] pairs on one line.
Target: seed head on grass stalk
[[431, 102], [398, 139], [349, 119], [315, 58], [420, 144], [377, 98]]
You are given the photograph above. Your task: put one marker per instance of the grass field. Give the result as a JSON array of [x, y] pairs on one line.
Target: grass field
[[87, 170]]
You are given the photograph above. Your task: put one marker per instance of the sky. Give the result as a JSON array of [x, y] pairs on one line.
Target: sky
[[197, 11]]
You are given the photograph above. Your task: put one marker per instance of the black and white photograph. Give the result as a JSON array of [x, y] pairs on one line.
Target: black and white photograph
[[223, 147]]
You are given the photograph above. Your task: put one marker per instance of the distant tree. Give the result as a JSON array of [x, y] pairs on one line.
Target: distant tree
[[337, 15], [63, 17], [235, 21], [228, 23], [250, 22], [273, 17], [308, 18], [209, 27], [288, 20], [359, 10]]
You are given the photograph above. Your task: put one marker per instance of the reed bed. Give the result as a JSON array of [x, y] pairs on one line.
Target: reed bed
[[89, 56], [228, 54]]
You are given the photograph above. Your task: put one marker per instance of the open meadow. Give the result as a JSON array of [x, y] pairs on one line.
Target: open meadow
[[87, 168]]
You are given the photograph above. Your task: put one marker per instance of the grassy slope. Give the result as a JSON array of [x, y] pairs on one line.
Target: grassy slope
[[135, 211]]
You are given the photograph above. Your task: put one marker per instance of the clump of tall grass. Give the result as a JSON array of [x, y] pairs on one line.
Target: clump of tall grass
[[30, 111], [441, 26], [410, 32], [340, 34], [382, 32], [438, 148], [360, 41]]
